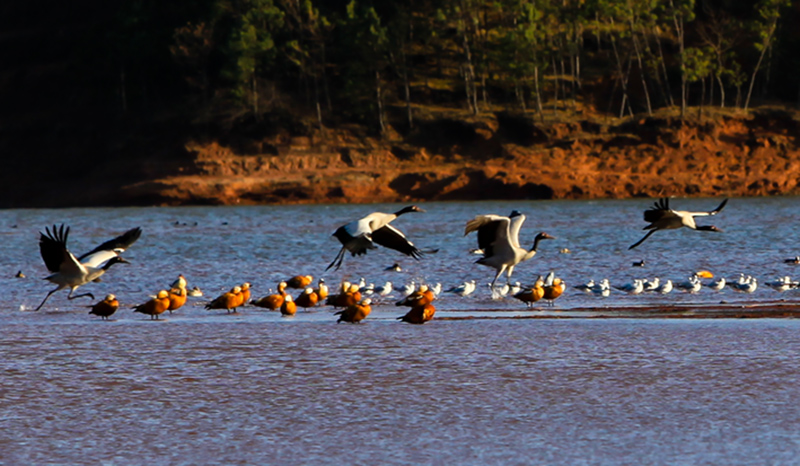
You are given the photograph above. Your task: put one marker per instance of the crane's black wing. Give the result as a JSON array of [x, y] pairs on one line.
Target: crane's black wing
[[118, 244], [390, 237], [659, 210], [53, 247]]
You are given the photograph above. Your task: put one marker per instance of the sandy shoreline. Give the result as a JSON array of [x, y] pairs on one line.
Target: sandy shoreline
[[769, 309]]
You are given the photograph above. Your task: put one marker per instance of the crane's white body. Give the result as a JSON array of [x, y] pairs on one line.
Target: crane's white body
[[498, 238]]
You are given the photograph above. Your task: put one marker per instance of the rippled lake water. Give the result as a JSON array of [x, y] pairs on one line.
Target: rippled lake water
[[202, 386]]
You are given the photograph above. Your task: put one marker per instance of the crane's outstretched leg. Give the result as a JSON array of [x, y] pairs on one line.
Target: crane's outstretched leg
[[508, 274], [499, 272], [45, 298], [642, 240], [70, 296]]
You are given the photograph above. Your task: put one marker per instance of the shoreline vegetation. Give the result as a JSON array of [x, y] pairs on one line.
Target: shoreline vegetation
[[229, 102]]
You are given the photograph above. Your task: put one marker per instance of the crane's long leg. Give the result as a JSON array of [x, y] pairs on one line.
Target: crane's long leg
[[642, 240], [499, 272], [508, 274], [339, 257], [70, 296], [45, 298]]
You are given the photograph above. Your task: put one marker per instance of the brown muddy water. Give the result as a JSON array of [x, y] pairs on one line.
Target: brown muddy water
[[254, 388]]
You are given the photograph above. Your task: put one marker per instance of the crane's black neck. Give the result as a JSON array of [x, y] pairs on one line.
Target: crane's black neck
[[405, 210], [112, 261]]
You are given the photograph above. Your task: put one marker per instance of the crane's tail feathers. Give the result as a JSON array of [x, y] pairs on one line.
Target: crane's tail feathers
[[642, 240]]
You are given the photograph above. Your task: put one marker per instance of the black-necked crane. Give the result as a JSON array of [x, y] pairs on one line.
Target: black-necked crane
[[361, 235], [71, 272], [661, 217], [498, 238]]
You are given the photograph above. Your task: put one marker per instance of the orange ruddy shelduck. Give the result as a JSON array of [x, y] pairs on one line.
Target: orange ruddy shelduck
[[419, 314], [177, 298], [156, 306], [322, 290], [300, 281], [554, 290], [106, 308], [245, 293], [228, 301], [356, 312], [272, 302], [348, 295], [288, 308], [532, 294], [421, 297], [308, 299]]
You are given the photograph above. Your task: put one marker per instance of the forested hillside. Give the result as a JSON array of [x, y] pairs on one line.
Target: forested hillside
[[116, 93]]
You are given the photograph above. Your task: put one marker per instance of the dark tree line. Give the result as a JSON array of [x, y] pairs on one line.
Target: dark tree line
[[358, 60]]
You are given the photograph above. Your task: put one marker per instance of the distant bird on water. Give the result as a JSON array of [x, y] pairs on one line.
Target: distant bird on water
[[661, 217], [394, 268], [363, 234], [71, 272], [498, 238]]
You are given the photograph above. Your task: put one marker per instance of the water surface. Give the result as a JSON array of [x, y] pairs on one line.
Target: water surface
[[253, 387]]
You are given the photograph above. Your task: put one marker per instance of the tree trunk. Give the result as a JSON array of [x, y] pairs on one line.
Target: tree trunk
[[319, 107], [325, 79], [255, 97], [469, 76], [767, 42], [721, 91], [381, 123], [664, 70], [679, 30], [407, 85], [622, 76], [641, 68], [538, 95], [555, 87]]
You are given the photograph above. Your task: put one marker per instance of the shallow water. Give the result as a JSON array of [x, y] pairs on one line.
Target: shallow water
[[203, 386]]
